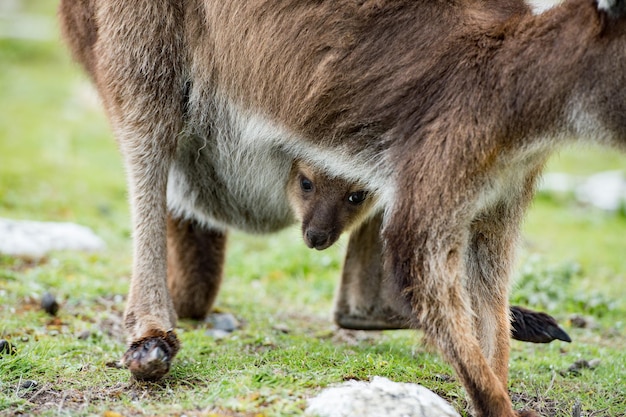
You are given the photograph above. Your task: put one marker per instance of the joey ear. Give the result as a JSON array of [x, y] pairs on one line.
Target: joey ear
[[614, 8]]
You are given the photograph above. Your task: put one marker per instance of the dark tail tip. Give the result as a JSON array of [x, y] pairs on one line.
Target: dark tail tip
[[535, 327]]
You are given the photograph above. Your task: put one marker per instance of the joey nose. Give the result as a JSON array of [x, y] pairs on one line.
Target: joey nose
[[316, 239]]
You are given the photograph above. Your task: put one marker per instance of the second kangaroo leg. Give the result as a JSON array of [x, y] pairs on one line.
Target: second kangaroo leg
[[366, 299], [489, 260], [195, 262]]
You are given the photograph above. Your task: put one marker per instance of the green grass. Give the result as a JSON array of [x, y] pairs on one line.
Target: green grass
[[58, 162]]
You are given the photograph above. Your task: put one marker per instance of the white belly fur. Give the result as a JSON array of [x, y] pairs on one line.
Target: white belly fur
[[230, 186], [235, 176]]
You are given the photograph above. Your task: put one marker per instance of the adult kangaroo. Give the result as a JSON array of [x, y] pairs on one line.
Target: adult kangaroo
[[446, 110]]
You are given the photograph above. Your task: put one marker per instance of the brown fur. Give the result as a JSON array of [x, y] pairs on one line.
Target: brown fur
[[447, 110]]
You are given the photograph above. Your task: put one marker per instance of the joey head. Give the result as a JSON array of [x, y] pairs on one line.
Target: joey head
[[326, 206]]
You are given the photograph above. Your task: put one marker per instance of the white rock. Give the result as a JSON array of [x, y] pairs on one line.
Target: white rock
[[557, 182], [606, 190], [379, 397], [32, 239]]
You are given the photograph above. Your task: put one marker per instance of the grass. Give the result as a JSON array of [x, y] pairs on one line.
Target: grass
[[58, 162]]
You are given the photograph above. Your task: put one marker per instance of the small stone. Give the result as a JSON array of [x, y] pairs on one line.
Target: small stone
[[581, 364], [49, 304], [578, 321], [594, 363], [84, 335], [583, 322], [223, 321], [7, 347], [217, 333], [282, 328], [114, 364], [24, 339], [27, 384]]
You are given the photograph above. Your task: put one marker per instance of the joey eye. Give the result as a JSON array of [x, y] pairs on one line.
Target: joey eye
[[306, 185], [357, 197]]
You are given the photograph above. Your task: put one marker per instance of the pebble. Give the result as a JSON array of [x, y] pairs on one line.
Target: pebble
[[581, 322], [7, 347], [49, 304], [222, 325], [114, 364], [581, 364], [217, 333], [26, 384], [282, 328], [223, 321]]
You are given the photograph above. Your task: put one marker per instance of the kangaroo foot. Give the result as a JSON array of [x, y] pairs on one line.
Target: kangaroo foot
[[149, 358]]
